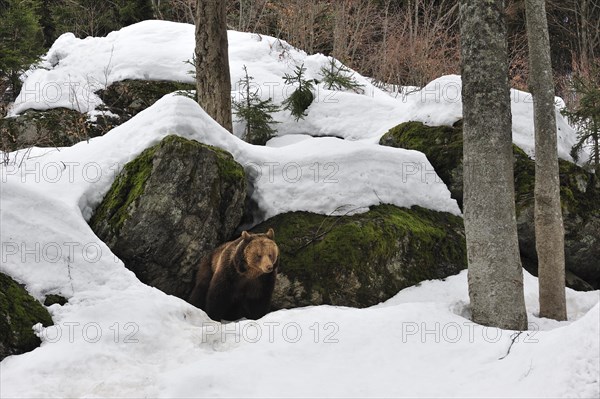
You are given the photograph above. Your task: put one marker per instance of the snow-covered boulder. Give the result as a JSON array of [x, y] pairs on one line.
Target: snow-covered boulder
[[363, 259], [168, 208], [57, 127], [63, 127], [441, 144], [123, 100], [580, 194]]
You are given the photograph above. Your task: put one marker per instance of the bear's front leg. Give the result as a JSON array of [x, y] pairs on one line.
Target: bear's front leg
[[220, 297], [256, 308], [202, 283], [258, 302]]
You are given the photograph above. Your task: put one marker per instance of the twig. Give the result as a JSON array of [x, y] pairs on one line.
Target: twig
[[513, 340], [69, 274], [318, 235], [379, 198]]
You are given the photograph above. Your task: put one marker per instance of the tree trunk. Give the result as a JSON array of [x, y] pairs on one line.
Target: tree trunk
[[585, 48], [495, 273], [549, 230], [596, 141], [213, 82]]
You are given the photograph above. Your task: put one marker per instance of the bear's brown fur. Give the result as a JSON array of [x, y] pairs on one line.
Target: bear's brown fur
[[236, 280]]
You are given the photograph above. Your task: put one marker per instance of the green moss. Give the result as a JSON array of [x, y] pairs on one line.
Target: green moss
[[129, 185], [322, 252], [441, 144], [18, 313], [579, 190], [577, 193], [229, 169], [120, 200], [443, 147]]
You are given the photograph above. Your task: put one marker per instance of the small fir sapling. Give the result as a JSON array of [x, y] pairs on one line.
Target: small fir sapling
[[299, 101], [337, 76], [255, 112]]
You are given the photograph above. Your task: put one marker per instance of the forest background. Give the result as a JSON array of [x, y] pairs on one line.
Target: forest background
[[396, 42]]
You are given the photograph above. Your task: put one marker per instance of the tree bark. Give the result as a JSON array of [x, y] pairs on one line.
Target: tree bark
[[549, 229], [213, 82], [495, 273]]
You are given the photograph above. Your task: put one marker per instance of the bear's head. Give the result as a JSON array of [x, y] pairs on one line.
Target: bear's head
[[260, 253]]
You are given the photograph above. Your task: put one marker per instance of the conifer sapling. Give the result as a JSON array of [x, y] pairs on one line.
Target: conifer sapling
[[255, 112], [299, 101], [337, 76]]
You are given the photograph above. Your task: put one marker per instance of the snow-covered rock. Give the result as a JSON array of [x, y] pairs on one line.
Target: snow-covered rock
[[169, 208], [75, 69]]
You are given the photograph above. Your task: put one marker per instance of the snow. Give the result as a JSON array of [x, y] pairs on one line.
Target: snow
[[322, 175], [75, 68], [117, 337]]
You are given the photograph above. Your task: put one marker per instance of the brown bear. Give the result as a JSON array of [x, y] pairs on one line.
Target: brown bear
[[236, 280]]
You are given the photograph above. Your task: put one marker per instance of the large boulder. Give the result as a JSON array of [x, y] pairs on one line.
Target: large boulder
[[61, 127], [124, 99], [58, 127], [19, 312], [580, 197], [441, 144], [363, 259], [168, 208]]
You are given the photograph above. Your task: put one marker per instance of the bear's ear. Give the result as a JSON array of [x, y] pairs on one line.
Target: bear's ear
[[270, 234], [245, 235]]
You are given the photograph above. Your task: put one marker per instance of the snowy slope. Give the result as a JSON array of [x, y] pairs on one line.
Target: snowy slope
[[74, 68]]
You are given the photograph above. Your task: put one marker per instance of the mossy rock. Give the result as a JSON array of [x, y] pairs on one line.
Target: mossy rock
[[129, 97], [58, 127], [125, 99], [19, 312], [61, 127], [363, 259], [443, 146], [168, 208], [580, 196]]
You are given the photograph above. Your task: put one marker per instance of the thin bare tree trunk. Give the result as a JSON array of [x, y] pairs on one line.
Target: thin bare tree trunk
[[495, 273], [596, 140], [213, 82], [549, 229]]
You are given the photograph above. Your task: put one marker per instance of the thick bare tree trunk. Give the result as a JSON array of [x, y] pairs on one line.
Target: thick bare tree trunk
[[495, 273], [213, 82], [549, 229]]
